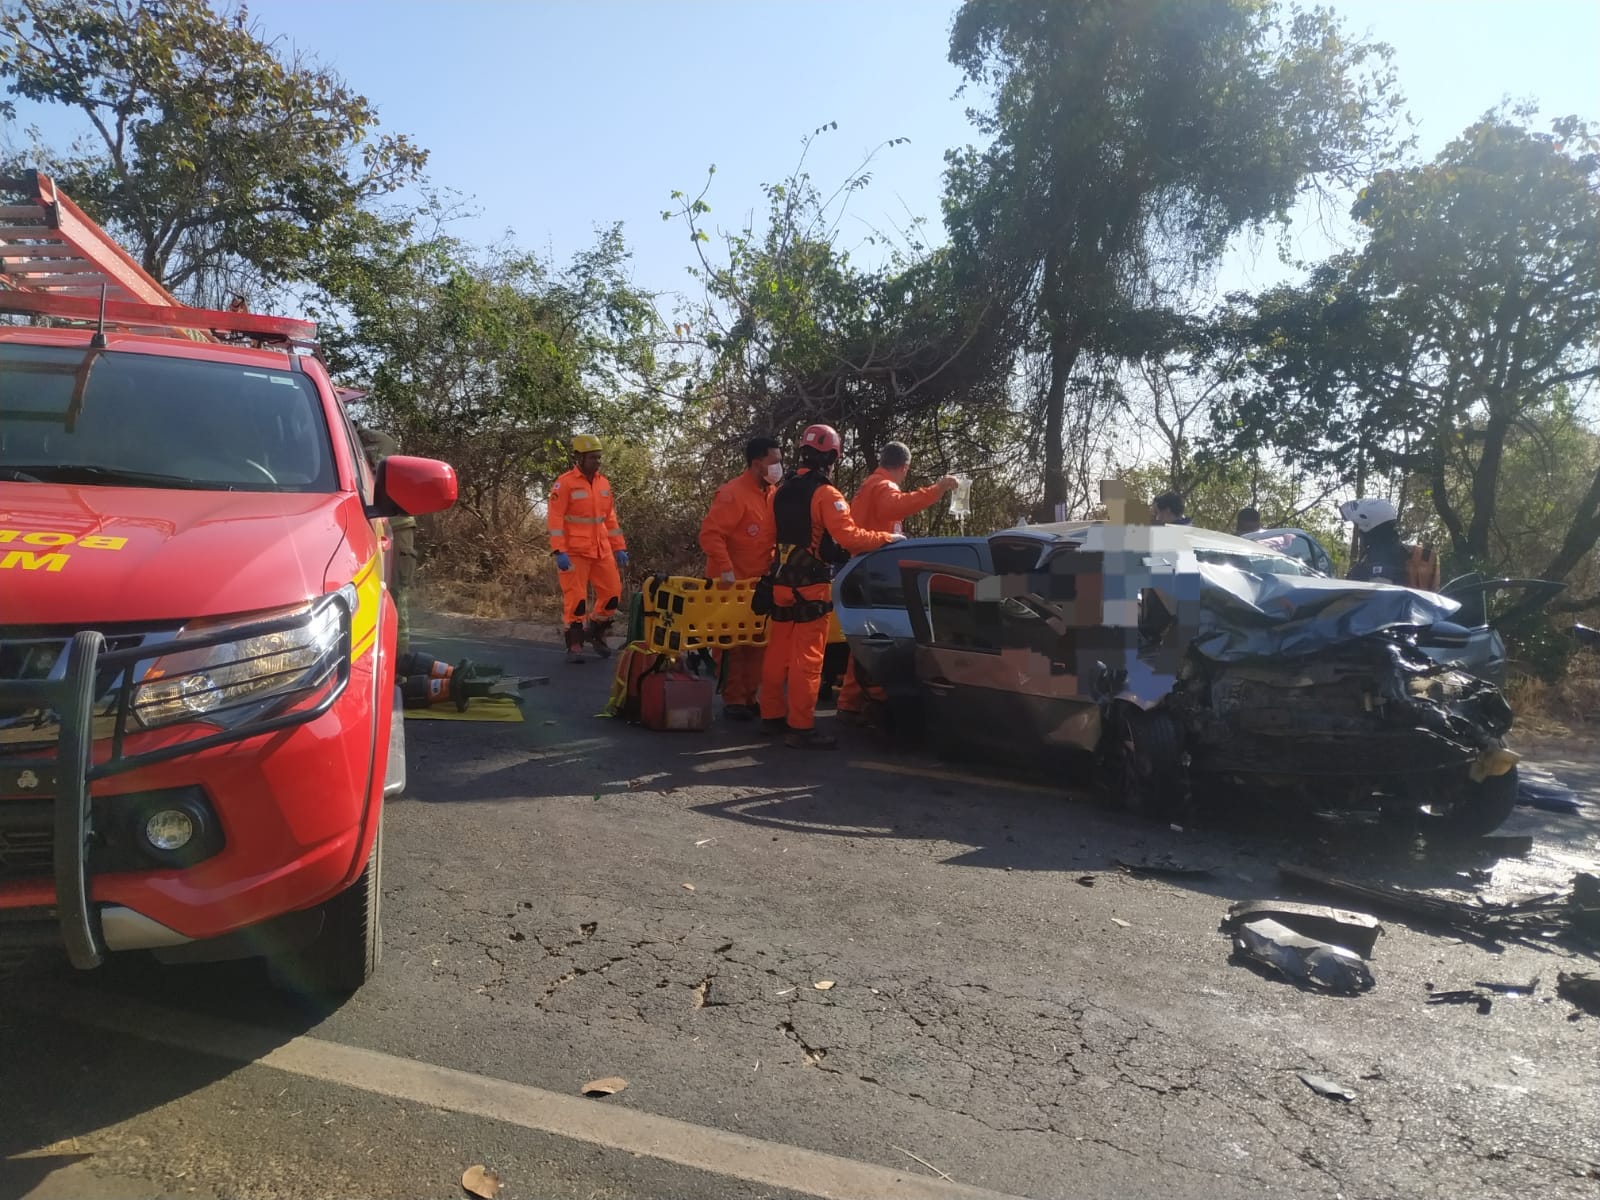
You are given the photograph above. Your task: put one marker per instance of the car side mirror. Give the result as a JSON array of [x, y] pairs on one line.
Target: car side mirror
[[413, 487]]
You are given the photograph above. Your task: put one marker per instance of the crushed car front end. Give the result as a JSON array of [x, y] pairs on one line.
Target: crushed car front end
[[1325, 688], [1375, 708]]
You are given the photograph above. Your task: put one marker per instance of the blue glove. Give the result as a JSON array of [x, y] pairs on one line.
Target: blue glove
[[563, 563], [622, 558]]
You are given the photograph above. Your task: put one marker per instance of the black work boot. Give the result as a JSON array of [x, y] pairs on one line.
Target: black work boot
[[809, 739], [575, 642], [740, 712], [598, 632], [772, 726]]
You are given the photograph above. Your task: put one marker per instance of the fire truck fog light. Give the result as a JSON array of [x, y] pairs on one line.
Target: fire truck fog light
[[169, 829]]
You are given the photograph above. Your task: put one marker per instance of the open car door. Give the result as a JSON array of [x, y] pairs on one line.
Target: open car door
[[996, 671], [1486, 606], [1497, 602]]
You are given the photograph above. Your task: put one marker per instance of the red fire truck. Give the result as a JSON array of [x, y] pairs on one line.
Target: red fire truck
[[198, 724]]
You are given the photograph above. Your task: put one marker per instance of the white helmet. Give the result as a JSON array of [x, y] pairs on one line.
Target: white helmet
[[1369, 514]]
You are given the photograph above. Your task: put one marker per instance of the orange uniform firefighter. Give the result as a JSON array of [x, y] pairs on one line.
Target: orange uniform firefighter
[[739, 538], [588, 548], [881, 506], [815, 531]]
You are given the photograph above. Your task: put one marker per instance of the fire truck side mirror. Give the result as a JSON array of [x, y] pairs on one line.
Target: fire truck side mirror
[[408, 486]]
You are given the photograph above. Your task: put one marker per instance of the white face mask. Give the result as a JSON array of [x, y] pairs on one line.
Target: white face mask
[[775, 472]]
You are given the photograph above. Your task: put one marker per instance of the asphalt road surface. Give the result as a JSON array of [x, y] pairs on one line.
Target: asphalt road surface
[[1009, 1015]]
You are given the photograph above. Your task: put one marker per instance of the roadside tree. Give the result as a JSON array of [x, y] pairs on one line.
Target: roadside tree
[[1130, 140], [219, 163]]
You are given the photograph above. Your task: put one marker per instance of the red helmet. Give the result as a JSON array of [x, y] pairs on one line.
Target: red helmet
[[821, 437]]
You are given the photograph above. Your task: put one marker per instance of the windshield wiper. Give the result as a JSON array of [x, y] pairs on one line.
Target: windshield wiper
[[16, 476], [83, 473]]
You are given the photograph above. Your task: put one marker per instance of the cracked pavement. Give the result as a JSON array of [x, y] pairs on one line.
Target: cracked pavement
[[567, 899]]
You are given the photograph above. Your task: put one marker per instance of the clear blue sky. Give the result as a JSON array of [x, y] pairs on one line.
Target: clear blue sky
[[556, 117]]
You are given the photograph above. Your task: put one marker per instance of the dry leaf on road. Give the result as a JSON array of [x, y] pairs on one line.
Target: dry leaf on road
[[608, 1086], [823, 985], [1124, 924], [481, 1181], [688, 887], [1332, 1089]]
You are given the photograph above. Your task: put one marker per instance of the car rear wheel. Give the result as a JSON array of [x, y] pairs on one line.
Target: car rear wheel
[[1455, 807], [1144, 761], [347, 951]]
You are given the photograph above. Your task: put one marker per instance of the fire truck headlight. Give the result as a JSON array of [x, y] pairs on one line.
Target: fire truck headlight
[[224, 682]]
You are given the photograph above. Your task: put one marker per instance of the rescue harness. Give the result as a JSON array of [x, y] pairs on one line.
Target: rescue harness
[[794, 564]]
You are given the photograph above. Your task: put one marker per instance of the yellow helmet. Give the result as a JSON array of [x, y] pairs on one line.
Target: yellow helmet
[[585, 443]]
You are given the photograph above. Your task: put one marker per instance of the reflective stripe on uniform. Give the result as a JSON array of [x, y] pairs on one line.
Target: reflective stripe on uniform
[[586, 520]]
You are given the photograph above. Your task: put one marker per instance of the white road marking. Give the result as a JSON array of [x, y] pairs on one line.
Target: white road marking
[[1015, 785], [600, 1123]]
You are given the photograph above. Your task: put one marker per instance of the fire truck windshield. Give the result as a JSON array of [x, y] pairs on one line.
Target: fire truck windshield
[[141, 420]]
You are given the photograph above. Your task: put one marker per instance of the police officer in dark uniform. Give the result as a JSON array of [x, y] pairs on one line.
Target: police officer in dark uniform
[[379, 446], [1384, 557], [1167, 509]]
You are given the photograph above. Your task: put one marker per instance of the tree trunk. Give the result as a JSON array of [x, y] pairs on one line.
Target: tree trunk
[[1065, 346], [1055, 403], [1582, 534], [1485, 485]]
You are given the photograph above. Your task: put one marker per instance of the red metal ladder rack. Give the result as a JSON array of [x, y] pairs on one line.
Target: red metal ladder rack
[[56, 262]]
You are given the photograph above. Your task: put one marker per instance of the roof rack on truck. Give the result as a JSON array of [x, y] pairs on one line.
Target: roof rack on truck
[[55, 262]]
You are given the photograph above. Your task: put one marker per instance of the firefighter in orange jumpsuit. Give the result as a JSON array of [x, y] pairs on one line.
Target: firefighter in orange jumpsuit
[[588, 548], [739, 538], [880, 505], [815, 532]]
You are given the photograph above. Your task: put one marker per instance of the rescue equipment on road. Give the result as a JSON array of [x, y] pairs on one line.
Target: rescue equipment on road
[[682, 613], [662, 691]]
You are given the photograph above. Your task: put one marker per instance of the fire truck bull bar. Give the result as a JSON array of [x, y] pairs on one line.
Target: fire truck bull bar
[[69, 776]]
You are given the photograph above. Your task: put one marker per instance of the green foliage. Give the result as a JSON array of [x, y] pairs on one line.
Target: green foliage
[[211, 152], [1216, 489], [795, 332], [1537, 644], [492, 361], [1435, 351], [1447, 360], [1130, 140]]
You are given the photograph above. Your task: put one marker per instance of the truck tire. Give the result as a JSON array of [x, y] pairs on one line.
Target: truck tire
[[1463, 809], [1144, 761], [347, 951]]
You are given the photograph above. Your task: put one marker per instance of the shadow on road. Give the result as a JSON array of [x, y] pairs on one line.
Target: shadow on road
[[995, 816], [65, 1083]]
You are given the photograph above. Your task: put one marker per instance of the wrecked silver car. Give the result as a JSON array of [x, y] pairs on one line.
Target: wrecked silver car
[[1187, 662]]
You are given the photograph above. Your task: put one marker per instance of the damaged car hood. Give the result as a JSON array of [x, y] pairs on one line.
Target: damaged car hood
[[1247, 616]]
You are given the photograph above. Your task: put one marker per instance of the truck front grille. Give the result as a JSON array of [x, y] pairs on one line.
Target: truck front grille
[[41, 655], [26, 849]]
